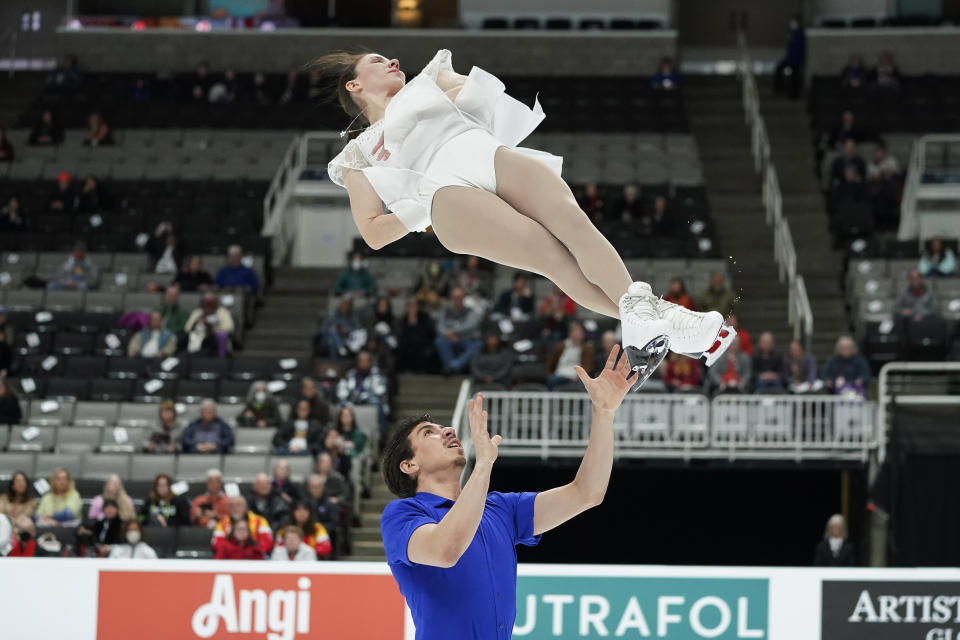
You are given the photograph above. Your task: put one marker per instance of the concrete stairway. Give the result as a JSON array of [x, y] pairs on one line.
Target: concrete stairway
[[734, 189], [819, 264]]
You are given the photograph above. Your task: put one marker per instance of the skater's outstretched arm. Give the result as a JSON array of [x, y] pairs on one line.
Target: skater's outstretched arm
[[377, 228], [554, 507]]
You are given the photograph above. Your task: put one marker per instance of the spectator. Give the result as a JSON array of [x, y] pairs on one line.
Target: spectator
[[459, 333], [847, 129], [799, 369], [288, 491], [666, 77], [238, 545], [290, 546], [194, 277], [77, 272], [788, 74], [207, 508], [567, 355], [225, 90], [6, 359], [133, 547], [63, 197], [261, 409], [590, 202], [235, 273], [163, 508], [112, 490], [354, 443], [65, 78], [658, 222], [718, 295], [208, 433], [24, 538], [380, 322], [677, 294], [629, 207], [557, 305], [108, 530], [433, 285], [732, 373], [682, 373], [885, 75], [164, 250], [199, 83], [338, 333], [237, 511], [209, 327], [938, 260], [174, 316], [6, 149], [60, 506], [517, 303], [18, 502], [855, 74], [475, 281], [356, 280], [12, 217], [161, 440], [335, 486], [10, 412], [917, 301], [364, 384], [323, 509], [849, 167], [744, 338], [47, 131], [884, 186], [264, 500], [319, 407], [834, 550], [846, 372], [607, 341], [154, 341], [883, 166], [93, 198], [767, 364], [261, 91], [416, 336], [142, 91], [333, 444], [99, 133], [493, 362], [293, 89], [303, 435], [313, 533]]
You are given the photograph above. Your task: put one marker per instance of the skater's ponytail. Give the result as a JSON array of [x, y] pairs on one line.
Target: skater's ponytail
[[340, 67]]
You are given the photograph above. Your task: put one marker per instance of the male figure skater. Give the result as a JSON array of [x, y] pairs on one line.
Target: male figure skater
[[452, 550]]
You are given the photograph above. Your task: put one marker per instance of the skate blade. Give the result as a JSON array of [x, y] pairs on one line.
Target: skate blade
[[720, 345], [643, 362]]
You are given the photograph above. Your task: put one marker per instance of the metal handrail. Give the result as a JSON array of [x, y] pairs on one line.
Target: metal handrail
[[914, 189]]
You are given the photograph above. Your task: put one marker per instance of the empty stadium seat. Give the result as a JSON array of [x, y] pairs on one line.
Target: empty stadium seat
[[47, 462], [193, 467], [95, 414], [194, 542], [122, 439], [148, 466], [78, 439], [14, 461], [50, 412], [243, 468], [254, 441], [163, 540], [100, 466], [32, 438]]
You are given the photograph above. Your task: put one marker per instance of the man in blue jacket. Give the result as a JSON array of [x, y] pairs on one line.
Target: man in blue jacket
[[235, 273], [208, 433]]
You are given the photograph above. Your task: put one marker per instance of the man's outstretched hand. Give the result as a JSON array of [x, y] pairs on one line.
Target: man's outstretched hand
[[484, 446], [608, 389]]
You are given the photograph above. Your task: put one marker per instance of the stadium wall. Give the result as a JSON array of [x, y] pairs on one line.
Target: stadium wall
[[916, 50]]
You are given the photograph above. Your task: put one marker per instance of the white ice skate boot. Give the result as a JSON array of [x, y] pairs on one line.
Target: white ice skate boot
[[695, 334], [646, 339]]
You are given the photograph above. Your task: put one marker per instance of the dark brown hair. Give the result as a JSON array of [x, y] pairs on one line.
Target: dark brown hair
[[396, 450], [154, 496], [340, 67]]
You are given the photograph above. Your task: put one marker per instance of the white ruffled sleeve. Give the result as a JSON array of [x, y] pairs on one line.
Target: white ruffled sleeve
[[350, 158], [443, 61]]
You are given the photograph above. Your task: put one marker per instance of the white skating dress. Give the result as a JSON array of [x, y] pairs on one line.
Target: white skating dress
[[436, 142]]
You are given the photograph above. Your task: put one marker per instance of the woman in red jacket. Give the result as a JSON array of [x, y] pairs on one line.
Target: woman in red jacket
[[238, 545]]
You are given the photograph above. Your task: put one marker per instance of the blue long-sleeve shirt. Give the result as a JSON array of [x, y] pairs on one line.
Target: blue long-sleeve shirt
[[216, 431], [238, 277]]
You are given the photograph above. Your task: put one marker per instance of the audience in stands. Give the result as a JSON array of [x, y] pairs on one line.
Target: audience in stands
[[336, 487], [261, 409], [161, 439], [66, 78], [338, 336], [356, 280], [61, 505], [476, 281], [164, 250], [666, 77], [238, 544], [354, 443], [767, 365], [516, 303], [199, 83], [107, 530], [12, 217], [380, 324], [301, 435], [47, 131], [99, 133], [208, 433], [657, 222], [607, 341], [885, 75], [194, 277], [112, 490], [174, 316], [291, 547], [916, 301], [732, 373], [846, 372], [6, 149], [93, 198], [743, 336], [319, 407], [334, 446], [63, 197], [164, 508], [846, 129], [313, 534], [937, 261], [77, 272], [264, 500], [458, 332], [433, 284], [629, 206], [18, 502], [590, 202], [493, 362], [364, 384], [235, 273], [153, 342], [6, 358], [225, 89], [132, 546], [681, 373], [10, 412], [259, 529], [142, 91], [788, 74], [677, 294], [849, 167], [834, 550], [293, 89], [855, 75], [23, 537], [884, 186], [209, 507], [209, 328], [260, 90], [554, 314], [565, 356], [416, 335], [799, 369], [718, 295], [323, 509], [285, 488]]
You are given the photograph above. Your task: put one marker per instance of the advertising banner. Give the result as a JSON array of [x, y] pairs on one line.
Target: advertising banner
[[872, 610]]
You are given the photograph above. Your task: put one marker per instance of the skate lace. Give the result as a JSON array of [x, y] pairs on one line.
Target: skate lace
[[642, 307], [685, 323]]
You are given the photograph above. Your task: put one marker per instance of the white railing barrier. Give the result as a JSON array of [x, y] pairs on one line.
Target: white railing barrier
[[276, 203], [914, 188]]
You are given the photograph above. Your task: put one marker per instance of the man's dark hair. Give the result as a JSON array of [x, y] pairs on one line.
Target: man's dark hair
[[396, 450]]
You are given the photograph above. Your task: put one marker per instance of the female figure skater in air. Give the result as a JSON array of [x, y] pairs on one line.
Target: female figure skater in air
[[442, 150]]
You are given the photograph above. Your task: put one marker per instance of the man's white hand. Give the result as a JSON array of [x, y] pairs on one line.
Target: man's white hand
[[608, 389], [484, 446]]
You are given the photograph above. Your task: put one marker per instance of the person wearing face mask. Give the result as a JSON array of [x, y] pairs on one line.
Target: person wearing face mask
[[261, 409], [433, 285], [210, 321], [133, 547], [356, 279]]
